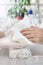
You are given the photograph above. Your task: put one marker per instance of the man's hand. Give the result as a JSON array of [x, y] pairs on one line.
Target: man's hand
[[2, 34], [34, 34]]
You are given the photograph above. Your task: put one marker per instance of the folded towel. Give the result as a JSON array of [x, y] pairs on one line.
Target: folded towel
[[20, 53]]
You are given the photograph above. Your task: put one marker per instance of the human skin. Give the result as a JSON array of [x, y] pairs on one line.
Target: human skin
[[34, 34], [2, 34]]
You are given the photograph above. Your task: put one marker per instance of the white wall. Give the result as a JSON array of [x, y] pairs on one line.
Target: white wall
[[4, 6], [40, 7]]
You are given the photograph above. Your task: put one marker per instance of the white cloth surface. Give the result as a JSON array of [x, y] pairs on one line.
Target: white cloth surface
[[20, 53], [26, 22]]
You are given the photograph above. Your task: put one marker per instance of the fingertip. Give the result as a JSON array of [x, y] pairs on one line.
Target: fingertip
[[21, 31], [32, 26]]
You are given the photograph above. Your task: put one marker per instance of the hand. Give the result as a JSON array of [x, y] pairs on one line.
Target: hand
[[34, 34], [2, 34]]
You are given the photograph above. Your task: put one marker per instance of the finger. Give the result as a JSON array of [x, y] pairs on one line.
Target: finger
[[27, 29], [29, 36], [32, 40], [30, 29], [33, 26], [35, 40], [23, 30], [26, 33]]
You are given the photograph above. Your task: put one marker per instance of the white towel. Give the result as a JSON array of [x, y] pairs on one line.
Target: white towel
[[19, 53]]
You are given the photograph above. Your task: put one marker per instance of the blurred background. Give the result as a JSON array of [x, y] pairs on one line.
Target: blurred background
[[14, 8]]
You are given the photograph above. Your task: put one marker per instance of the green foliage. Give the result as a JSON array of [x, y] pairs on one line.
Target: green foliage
[[26, 2], [14, 11]]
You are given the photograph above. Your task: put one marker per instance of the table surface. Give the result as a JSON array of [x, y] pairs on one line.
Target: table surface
[[5, 60]]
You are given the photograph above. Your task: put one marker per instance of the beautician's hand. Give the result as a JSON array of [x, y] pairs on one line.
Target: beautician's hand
[[34, 34], [2, 34]]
